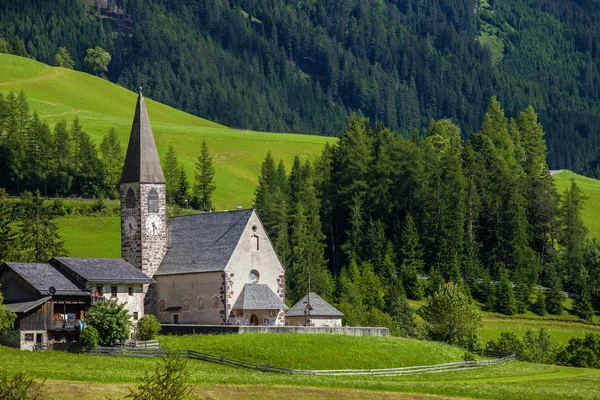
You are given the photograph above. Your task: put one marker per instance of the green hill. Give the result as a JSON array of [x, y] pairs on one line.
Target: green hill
[[591, 187], [57, 93]]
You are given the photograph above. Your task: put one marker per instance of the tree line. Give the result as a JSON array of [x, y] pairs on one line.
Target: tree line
[[59, 161], [305, 67], [388, 217]]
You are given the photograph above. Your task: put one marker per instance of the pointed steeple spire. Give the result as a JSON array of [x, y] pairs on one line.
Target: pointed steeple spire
[[141, 163]]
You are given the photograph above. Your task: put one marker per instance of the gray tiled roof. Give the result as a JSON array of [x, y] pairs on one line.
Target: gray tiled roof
[[141, 162], [26, 305], [319, 308], [42, 276], [103, 270], [257, 296], [202, 242]]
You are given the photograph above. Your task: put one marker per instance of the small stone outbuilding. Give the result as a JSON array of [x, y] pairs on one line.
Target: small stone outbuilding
[[313, 310]]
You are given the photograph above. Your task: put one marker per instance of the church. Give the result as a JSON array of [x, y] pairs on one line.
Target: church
[[216, 268], [211, 268]]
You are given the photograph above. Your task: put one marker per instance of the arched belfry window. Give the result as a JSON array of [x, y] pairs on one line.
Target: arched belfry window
[[130, 199], [255, 243], [153, 201]]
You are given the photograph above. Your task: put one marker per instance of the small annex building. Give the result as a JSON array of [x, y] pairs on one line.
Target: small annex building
[[51, 299], [313, 310]]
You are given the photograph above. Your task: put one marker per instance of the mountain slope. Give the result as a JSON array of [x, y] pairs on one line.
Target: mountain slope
[[57, 93]]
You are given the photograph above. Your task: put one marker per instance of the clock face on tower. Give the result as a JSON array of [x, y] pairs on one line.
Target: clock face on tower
[[153, 224], [130, 226]]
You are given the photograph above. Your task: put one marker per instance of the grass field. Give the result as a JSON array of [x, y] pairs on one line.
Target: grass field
[[591, 187], [81, 377], [57, 93]]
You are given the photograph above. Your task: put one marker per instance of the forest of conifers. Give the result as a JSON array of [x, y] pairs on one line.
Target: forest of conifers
[[305, 66], [377, 212]]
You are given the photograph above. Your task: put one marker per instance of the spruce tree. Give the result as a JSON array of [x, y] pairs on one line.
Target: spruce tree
[[539, 307], [411, 259], [573, 232], [38, 235], [205, 172], [112, 162], [7, 235], [61, 177], [582, 306], [172, 174], [555, 297], [505, 296], [182, 188]]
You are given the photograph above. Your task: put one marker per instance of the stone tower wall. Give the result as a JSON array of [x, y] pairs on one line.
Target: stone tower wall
[[131, 246]]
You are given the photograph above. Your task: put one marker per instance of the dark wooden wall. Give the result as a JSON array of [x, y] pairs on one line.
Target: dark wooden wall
[[14, 288]]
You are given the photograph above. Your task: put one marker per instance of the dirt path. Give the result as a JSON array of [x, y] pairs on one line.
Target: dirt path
[[67, 390], [57, 72]]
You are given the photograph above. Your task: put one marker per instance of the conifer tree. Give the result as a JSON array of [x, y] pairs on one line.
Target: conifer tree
[[86, 164], [7, 235], [38, 235], [539, 306], [181, 195], [573, 232], [205, 172], [112, 162], [172, 174], [582, 306], [397, 307], [411, 259], [62, 58], [62, 154], [555, 297], [505, 296]]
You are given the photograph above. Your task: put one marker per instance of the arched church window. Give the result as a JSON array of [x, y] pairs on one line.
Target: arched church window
[[200, 303], [162, 305], [216, 302], [130, 199], [186, 304], [255, 243], [153, 201]]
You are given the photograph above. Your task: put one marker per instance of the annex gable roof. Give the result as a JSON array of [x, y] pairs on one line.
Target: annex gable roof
[[257, 296], [202, 242], [318, 307], [26, 306], [42, 276], [102, 270]]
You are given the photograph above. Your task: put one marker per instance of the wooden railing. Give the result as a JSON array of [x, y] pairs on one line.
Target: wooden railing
[[195, 355]]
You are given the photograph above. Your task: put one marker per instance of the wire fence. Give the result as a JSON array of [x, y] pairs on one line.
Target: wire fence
[[195, 355]]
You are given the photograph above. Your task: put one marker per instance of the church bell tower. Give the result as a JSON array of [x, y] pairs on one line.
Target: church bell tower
[[143, 204]]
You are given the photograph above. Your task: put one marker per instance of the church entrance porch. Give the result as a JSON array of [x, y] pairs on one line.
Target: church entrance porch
[[254, 320]]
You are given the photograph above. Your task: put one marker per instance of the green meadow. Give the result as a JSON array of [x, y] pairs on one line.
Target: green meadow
[[591, 187], [57, 93], [78, 376]]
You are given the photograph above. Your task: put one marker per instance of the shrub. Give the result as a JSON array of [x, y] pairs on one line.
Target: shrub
[[89, 338], [147, 328], [168, 381], [18, 387], [581, 352], [450, 316], [111, 320]]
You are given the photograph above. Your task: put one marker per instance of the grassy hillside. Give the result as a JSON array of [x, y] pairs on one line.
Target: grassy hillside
[[591, 187], [113, 376], [57, 93]]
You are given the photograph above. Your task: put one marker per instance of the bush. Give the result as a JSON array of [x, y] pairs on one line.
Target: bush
[[18, 387], [89, 338], [111, 320], [581, 352], [168, 381], [451, 317], [147, 328]]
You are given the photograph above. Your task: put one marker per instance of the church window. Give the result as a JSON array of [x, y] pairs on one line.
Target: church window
[[113, 291], [135, 316], [254, 276], [130, 199], [153, 201], [255, 243], [216, 302], [186, 304], [162, 305], [130, 290], [200, 303]]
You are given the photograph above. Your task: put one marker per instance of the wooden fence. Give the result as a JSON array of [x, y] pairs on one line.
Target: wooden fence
[[194, 355]]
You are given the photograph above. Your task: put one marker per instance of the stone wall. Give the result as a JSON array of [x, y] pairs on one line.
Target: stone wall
[[223, 329], [314, 321]]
